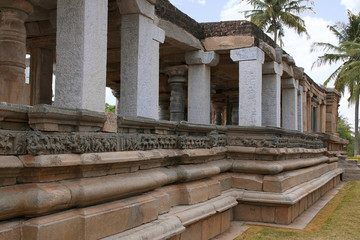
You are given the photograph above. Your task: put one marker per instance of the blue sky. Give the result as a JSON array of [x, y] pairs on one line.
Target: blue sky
[[327, 12]]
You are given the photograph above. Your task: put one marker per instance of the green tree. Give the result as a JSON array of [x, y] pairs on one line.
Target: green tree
[[345, 132], [348, 74], [272, 15], [109, 108]]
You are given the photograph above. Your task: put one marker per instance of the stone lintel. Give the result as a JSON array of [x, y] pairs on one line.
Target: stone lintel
[[288, 59], [272, 68], [288, 83], [247, 54], [21, 5], [158, 34], [228, 42], [201, 57], [143, 7], [298, 73]]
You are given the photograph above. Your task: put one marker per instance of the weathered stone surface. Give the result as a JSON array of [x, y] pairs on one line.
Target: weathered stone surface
[[250, 84], [10, 230], [13, 117], [247, 181], [228, 42], [81, 73], [110, 125]]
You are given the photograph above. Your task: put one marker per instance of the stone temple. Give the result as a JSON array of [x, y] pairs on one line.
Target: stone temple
[[215, 124]]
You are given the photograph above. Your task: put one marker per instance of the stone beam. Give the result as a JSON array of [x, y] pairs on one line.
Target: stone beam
[[200, 64]]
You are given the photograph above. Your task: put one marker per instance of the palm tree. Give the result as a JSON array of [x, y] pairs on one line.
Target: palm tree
[[348, 74], [273, 15]]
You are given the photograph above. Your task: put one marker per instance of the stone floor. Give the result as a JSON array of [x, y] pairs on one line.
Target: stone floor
[[237, 228]]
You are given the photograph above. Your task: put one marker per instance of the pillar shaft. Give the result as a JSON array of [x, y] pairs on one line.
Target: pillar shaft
[[41, 70], [300, 109], [81, 47], [13, 14], [250, 84], [289, 104], [177, 79], [199, 85], [271, 94], [140, 38]]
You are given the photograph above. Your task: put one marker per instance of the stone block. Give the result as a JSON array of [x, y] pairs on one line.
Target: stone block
[[192, 232], [110, 125], [195, 192], [254, 213], [226, 218], [13, 116], [228, 42], [66, 225], [211, 227], [248, 181], [163, 201], [214, 188], [50, 118], [225, 181], [10, 230], [283, 215]]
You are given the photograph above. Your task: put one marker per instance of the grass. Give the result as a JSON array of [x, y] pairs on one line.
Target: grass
[[339, 219]]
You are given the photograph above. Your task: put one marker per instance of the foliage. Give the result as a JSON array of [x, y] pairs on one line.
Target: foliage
[[273, 15], [348, 52], [345, 132], [110, 108]]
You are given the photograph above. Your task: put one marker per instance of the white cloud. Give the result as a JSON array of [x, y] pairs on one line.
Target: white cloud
[[353, 5], [233, 10], [181, 2], [202, 2]]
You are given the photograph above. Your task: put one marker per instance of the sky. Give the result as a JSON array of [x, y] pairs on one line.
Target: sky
[[327, 12]]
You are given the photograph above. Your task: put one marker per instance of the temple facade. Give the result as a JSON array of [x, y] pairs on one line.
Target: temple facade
[[215, 123]]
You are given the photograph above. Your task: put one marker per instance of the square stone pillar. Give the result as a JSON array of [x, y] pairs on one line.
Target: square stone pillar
[[323, 117], [271, 94], [304, 107], [289, 96], [41, 71], [140, 39], [199, 88], [300, 109], [250, 84], [81, 47]]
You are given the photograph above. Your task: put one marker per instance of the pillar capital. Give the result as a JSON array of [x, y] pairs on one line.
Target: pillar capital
[[143, 7], [20, 5], [180, 70], [201, 57], [298, 73], [288, 83], [247, 54], [272, 68]]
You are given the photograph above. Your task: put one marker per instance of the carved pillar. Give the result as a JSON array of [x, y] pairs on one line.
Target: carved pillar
[[164, 106], [13, 14], [289, 104], [323, 116], [177, 79], [81, 47], [309, 111], [219, 107], [250, 84], [304, 104], [41, 70], [140, 39], [271, 93], [234, 102], [300, 109], [199, 63]]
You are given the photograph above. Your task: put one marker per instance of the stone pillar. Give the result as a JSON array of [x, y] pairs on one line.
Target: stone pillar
[[140, 39], [309, 111], [164, 106], [177, 79], [300, 109], [289, 104], [41, 71], [199, 63], [250, 84], [271, 93], [13, 14], [219, 107], [304, 111], [81, 47], [323, 117], [234, 111]]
